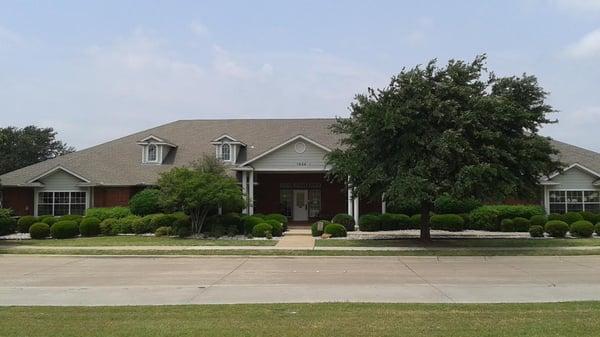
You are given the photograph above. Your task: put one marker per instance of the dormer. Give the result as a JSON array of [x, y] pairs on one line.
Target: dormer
[[227, 148], [155, 149]]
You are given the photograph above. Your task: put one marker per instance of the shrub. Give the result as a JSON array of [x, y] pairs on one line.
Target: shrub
[[405, 207], [162, 220], [345, 220], [233, 220], [89, 226], [127, 224], [261, 230], [6, 212], [521, 224], [250, 222], [538, 220], [588, 216], [277, 227], [582, 229], [449, 222], [488, 217], [402, 221], [182, 227], [7, 225], [507, 225], [556, 228], [318, 228], [103, 213], [336, 230], [145, 202], [71, 217], [536, 231], [49, 220], [369, 223], [25, 222], [415, 221], [597, 229], [554, 216], [39, 230], [64, 229], [571, 217], [106, 226], [448, 205], [163, 231], [279, 217]]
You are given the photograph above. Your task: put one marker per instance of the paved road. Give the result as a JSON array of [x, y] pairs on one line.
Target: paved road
[[46, 280]]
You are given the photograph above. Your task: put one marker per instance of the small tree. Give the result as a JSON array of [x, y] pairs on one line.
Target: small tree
[[145, 202], [199, 189], [445, 131]]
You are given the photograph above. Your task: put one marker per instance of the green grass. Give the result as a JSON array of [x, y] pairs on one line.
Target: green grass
[[330, 319], [459, 243], [131, 240]]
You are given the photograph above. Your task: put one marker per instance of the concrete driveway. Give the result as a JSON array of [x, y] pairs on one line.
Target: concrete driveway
[[46, 280]]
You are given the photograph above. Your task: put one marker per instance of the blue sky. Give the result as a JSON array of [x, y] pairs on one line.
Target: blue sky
[[97, 70]]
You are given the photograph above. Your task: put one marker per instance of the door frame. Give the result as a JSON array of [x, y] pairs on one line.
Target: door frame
[[295, 215]]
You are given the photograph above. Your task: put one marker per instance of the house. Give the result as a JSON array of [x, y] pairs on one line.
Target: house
[[279, 164]]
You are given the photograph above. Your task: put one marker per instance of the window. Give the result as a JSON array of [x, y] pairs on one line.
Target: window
[[226, 152], [61, 203], [574, 201], [152, 155]]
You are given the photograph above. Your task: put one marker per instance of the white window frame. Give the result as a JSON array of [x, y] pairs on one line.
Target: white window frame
[[146, 154], [37, 200], [150, 146], [229, 151], [566, 202]]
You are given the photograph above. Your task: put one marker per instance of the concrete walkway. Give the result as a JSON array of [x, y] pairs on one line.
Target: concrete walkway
[[45, 280], [296, 239]]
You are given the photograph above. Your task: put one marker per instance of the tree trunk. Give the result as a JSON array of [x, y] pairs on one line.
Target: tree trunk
[[197, 217], [425, 224]]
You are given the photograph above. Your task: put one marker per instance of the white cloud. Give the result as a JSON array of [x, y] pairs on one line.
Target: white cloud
[[587, 46], [575, 127]]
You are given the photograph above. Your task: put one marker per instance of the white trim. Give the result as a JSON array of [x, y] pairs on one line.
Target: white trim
[[54, 170], [590, 171], [245, 191], [224, 136], [273, 149], [291, 170], [37, 191], [157, 141], [356, 212]]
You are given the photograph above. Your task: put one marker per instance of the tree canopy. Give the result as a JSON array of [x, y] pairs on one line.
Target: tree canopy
[[27, 146], [449, 130]]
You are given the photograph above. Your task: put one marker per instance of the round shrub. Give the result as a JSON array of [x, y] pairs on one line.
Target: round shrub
[[137, 226], [233, 220], [554, 216], [261, 230], [597, 229], [106, 226], [71, 217], [507, 225], [369, 223], [521, 224], [582, 229], [126, 225], [249, 223], [162, 220], [163, 231], [588, 216], [145, 202], [277, 227], [388, 222], [25, 222], [415, 221], [448, 222], [318, 228], [89, 226], [556, 228], [276, 216], [571, 217], [50, 220], [7, 225], [538, 220], [336, 230], [536, 231], [39, 230], [64, 229], [345, 220]]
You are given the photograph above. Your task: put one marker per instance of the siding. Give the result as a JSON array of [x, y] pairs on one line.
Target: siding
[[573, 179], [59, 181], [286, 158]]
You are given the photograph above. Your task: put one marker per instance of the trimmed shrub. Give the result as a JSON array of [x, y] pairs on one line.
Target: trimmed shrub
[[162, 220], [277, 227], [536, 231], [597, 229], [25, 222], [521, 224], [448, 205], [345, 220], [448, 222], [49, 220], [387, 222], [233, 220], [106, 226], [588, 216], [554, 216], [336, 230], [507, 225], [7, 225], [538, 220], [279, 217], [556, 228], [262, 229], [163, 231], [571, 217], [402, 221], [126, 225], [488, 217], [581, 229], [318, 228], [415, 221], [145, 202], [89, 226], [405, 207], [71, 217], [369, 223], [64, 229], [249, 223], [103, 213], [39, 230]]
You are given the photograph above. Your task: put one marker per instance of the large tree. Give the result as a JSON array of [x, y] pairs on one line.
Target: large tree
[[28, 145], [448, 130]]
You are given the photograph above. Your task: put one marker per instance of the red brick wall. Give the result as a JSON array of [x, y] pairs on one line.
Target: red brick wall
[[113, 196], [19, 199]]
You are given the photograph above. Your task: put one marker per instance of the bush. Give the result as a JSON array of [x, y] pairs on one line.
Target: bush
[[39, 230], [588, 216], [556, 228], [521, 224], [89, 226], [336, 230], [538, 220], [6, 212], [71, 217], [448, 205], [279, 217], [145, 202], [25, 222], [249, 223], [369, 223], [405, 207], [182, 227], [261, 230], [386, 222], [106, 226], [127, 224], [571, 217], [488, 217], [597, 229], [554, 216], [233, 220], [507, 225], [277, 227], [103, 213], [582, 229], [7, 225], [162, 220], [163, 231], [415, 221], [64, 229], [448, 222], [536, 231], [345, 220], [314, 228], [49, 220]]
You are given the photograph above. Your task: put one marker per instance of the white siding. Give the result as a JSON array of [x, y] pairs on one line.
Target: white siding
[[573, 179], [61, 181], [286, 158]]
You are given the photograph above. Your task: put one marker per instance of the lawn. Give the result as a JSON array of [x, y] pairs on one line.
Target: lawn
[[462, 243], [331, 319]]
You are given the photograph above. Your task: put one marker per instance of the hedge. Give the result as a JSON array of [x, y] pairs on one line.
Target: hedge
[[387, 222], [488, 217], [162, 220], [345, 220], [538, 220], [521, 224], [369, 223], [103, 213], [582, 229], [262, 230], [39, 231], [556, 228], [7, 225], [64, 229], [249, 222], [145, 202], [25, 222], [571, 217], [71, 217], [335, 230], [448, 222], [314, 228], [507, 225], [415, 221], [554, 216], [277, 227], [163, 231], [49, 220], [536, 231], [89, 226], [106, 226]]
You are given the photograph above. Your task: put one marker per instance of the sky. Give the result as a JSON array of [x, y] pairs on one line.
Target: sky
[[98, 70]]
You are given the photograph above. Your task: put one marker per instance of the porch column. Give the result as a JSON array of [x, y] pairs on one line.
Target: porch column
[[383, 203], [251, 193], [350, 200], [245, 190], [356, 212]]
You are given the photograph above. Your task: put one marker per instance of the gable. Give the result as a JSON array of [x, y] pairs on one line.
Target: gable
[[574, 178], [298, 155], [60, 180]]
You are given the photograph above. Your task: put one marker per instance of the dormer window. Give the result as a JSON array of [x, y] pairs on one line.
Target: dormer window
[[152, 155], [227, 148], [226, 152], [155, 149]]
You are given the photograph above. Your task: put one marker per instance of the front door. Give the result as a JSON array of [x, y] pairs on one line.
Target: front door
[[300, 205]]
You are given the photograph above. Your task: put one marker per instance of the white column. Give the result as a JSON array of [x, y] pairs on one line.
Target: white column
[[382, 203], [356, 212], [245, 190], [251, 187], [349, 200]]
